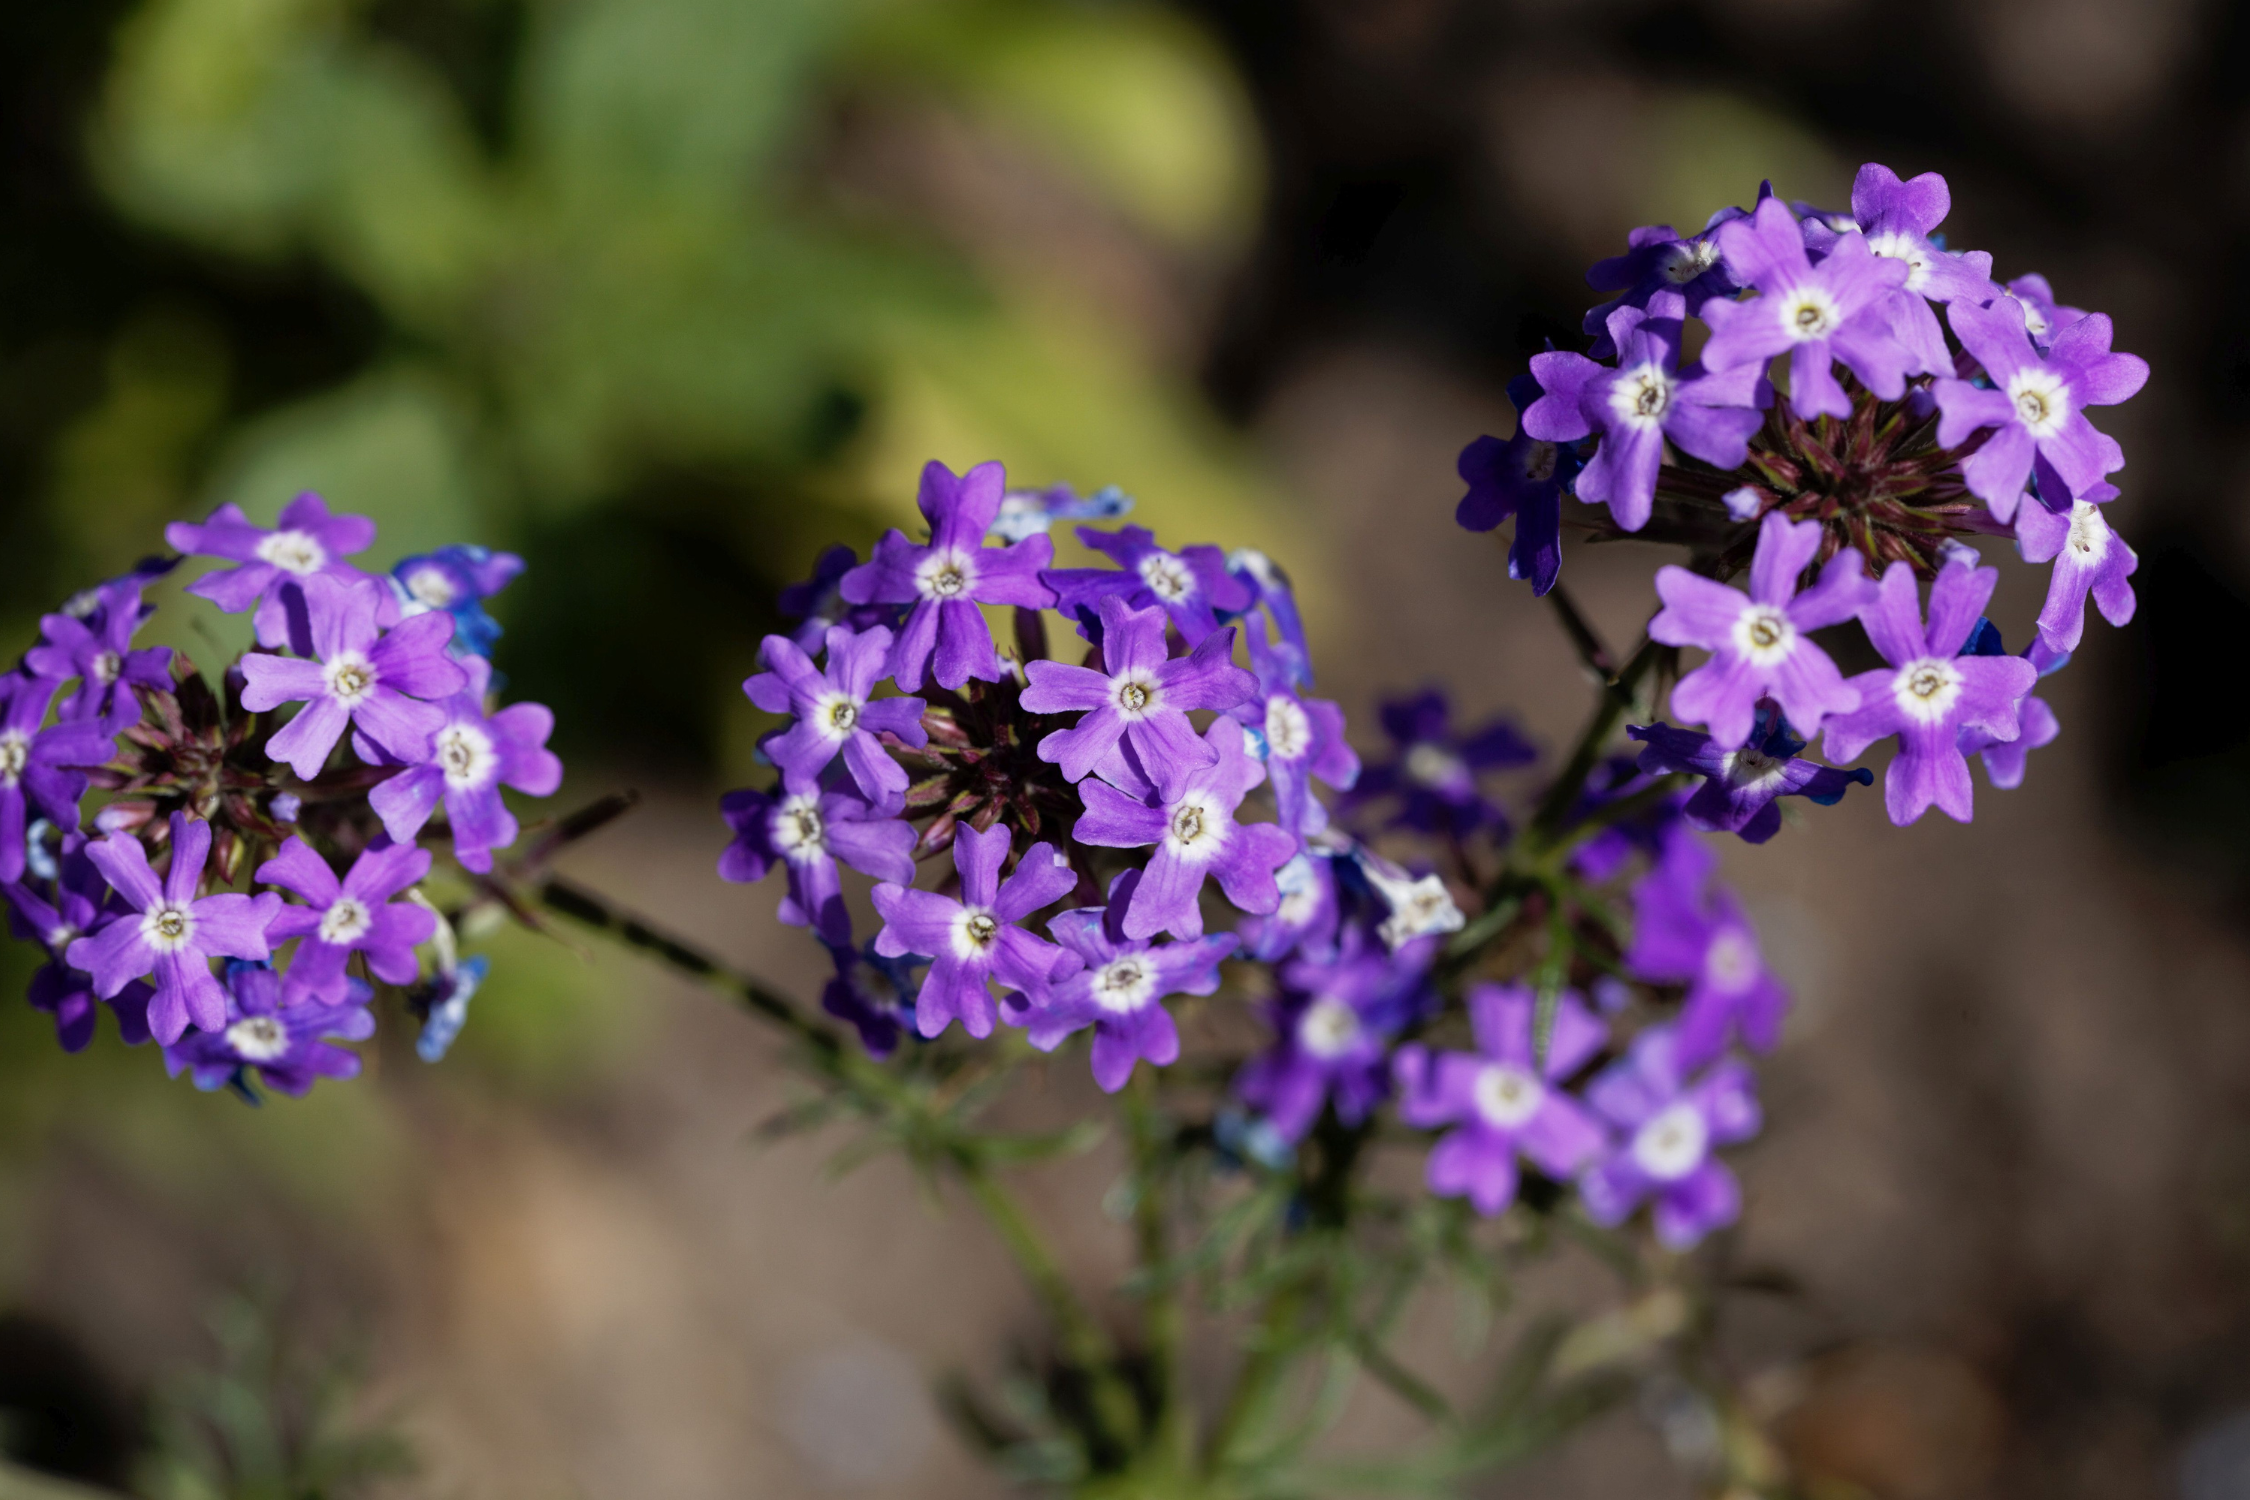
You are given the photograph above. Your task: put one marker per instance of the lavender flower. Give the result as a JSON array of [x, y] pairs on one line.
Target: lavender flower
[[809, 831], [1521, 477], [1931, 691], [467, 761], [1303, 921], [457, 580], [290, 1045], [1195, 835], [1683, 934], [977, 938], [945, 581], [1138, 703], [1660, 260], [835, 712], [1647, 400], [372, 680], [1760, 644], [1121, 990], [2035, 403], [40, 767], [819, 602], [1500, 1099], [2043, 316], [1670, 1127], [1271, 590], [1899, 219], [175, 935], [1435, 774], [1335, 1019], [1298, 738], [1741, 788], [98, 651], [870, 993], [1034, 512], [1191, 585], [1817, 314], [353, 915], [2088, 557], [306, 543], [81, 905]]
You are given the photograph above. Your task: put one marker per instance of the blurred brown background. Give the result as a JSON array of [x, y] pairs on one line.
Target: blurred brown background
[[665, 293]]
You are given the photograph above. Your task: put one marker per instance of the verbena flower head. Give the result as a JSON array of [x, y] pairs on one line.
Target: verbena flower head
[[97, 650], [288, 1046], [1669, 1124], [464, 764], [274, 565], [1760, 643], [1742, 787], [979, 937], [1436, 773], [1931, 691], [1134, 712], [1192, 586], [354, 914], [42, 768], [836, 712], [1501, 1101], [1522, 477], [456, 580], [944, 635], [1333, 1023], [809, 832]]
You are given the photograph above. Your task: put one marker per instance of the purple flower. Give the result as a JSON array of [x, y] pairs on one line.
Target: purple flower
[[1191, 585], [40, 767], [2043, 316], [1270, 586], [2088, 557], [1500, 1100], [1521, 477], [1761, 644], [1899, 219], [1683, 934], [946, 580], [2035, 403], [305, 543], [1298, 738], [457, 580], [870, 993], [1817, 314], [1334, 1021], [834, 712], [809, 831], [1121, 989], [98, 651], [1303, 921], [353, 915], [468, 760], [1659, 261], [1741, 788], [82, 904], [368, 678], [977, 938], [1930, 692], [286, 1043], [1435, 774], [1650, 832], [1138, 703], [2004, 759], [1670, 1126], [1645, 401], [1034, 512], [444, 1005], [1195, 835], [174, 936], [819, 602]]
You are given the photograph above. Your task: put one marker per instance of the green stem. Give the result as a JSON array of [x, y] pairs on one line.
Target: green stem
[[1164, 1319], [1267, 1362]]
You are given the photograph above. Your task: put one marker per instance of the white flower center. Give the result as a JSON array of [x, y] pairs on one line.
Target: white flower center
[[797, 828], [1764, 635], [1137, 696], [1288, 728], [944, 575], [1539, 461], [1684, 262], [1809, 313], [1167, 577], [1124, 985], [1433, 765], [466, 756], [1328, 1028], [350, 678], [105, 667], [293, 552], [434, 587], [258, 1038], [1731, 962], [1641, 398], [1672, 1144], [168, 927], [2042, 400], [1910, 248], [1749, 767], [837, 714], [2089, 533], [1507, 1097], [974, 931], [15, 754], [1927, 689], [346, 922], [1196, 829]]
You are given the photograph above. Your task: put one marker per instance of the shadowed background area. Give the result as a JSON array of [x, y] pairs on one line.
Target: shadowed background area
[[666, 294]]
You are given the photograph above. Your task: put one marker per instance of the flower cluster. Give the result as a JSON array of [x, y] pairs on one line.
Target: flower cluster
[[155, 822], [1922, 403]]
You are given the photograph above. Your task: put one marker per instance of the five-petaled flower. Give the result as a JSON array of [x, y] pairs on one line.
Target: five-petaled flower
[[2088, 557], [98, 650], [467, 761], [835, 712], [353, 915], [809, 831], [1299, 738], [977, 938], [1741, 789], [40, 768], [1334, 1021], [1898, 219], [1669, 1126], [274, 565], [1521, 477], [289, 1044], [1435, 774], [1192, 586], [1687, 935]]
